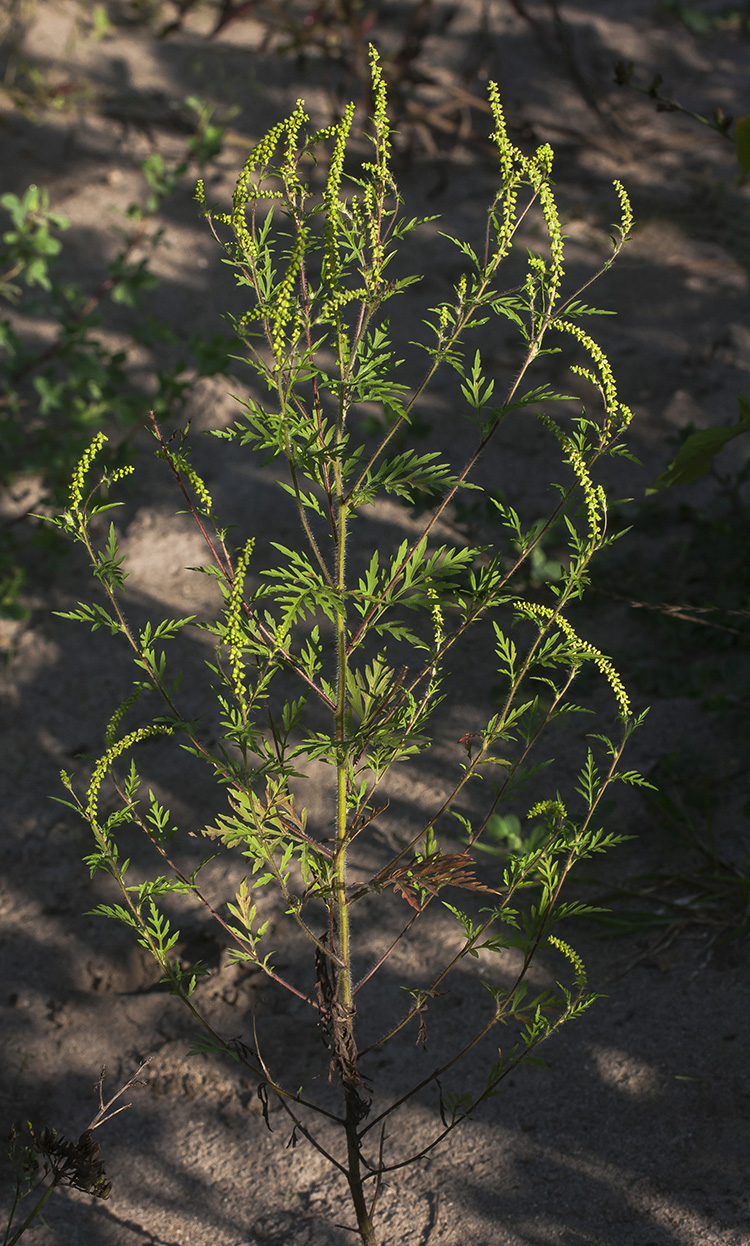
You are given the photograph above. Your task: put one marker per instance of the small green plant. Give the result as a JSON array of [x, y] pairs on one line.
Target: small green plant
[[334, 661], [44, 1160], [735, 129], [505, 835], [53, 397], [702, 19], [701, 883], [715, 892], [697, 452]]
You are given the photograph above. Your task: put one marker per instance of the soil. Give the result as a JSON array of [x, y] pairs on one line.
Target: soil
[[638, 1132]]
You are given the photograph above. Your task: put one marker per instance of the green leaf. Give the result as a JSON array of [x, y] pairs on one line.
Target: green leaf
[[696, 454]]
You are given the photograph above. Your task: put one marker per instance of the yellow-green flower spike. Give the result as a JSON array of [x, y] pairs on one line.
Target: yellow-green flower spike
[[572, 956], [594, 497], [104, 763], [292, 184], [438, 624], [499, 135], [550, 810], [235, 636], [114, 722], [552, 220], [544, 158], [79, 475], [334, 206], [380, 102], [204, 497], [607, 380], [626, 211], [285, 308], [583, 651]]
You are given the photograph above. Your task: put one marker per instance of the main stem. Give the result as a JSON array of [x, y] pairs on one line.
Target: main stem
[[345, 1050]]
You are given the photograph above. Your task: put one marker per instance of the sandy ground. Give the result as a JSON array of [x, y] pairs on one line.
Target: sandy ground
[[638, 1133]]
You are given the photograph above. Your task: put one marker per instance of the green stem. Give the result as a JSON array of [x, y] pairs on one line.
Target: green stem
[[34, 1212], [342, 911], [344, 1046], [354, 1176]]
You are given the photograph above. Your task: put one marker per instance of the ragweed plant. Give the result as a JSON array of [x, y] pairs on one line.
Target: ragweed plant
[[53, 398], [366, 652]]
